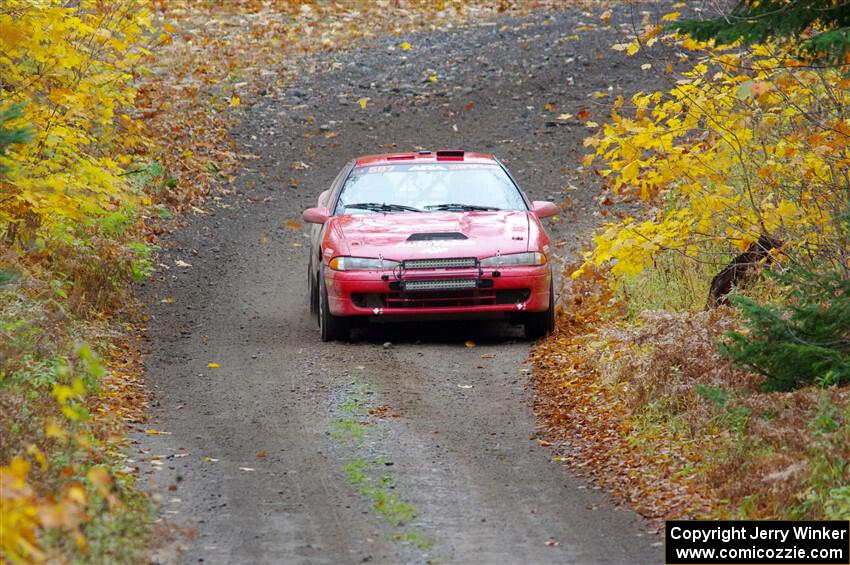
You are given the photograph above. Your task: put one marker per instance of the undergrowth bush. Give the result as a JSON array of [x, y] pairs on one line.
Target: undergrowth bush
[[802, 340]]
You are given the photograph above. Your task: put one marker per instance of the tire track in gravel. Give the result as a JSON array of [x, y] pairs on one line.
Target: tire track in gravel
[[485, 491]]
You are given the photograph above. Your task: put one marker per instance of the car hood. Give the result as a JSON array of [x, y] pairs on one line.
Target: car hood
[[400, 236]]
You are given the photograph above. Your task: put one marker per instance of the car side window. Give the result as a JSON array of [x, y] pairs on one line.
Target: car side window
[[336, 184]]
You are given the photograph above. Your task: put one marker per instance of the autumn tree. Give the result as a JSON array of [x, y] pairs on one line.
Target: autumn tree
[[66, 74]]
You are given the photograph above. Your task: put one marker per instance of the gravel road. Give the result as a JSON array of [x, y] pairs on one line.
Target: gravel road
[[274, 456]]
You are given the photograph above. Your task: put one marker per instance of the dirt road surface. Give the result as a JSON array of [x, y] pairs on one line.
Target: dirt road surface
[[273, 457]]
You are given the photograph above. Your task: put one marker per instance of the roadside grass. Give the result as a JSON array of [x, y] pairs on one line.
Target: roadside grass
[[650, 410], [674, 283], [67, 493], [370, 476]]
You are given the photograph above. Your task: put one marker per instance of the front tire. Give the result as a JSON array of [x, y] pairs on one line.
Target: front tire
[[539, 324], [331, 327], [313, 293]]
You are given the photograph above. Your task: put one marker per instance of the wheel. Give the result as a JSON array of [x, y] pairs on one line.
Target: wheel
[[331, 327], [313, 293], [538, 324]]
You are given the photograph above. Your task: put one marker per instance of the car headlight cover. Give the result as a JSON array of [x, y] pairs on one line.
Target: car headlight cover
[[343, 263], [515, 260]]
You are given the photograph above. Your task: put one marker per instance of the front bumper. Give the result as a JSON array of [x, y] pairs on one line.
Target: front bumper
[[380, 293]]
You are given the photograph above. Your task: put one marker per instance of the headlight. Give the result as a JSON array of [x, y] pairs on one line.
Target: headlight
[[515, 260], [361, 264]]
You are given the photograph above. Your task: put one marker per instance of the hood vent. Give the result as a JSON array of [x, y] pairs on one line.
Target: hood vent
[[436, 236]]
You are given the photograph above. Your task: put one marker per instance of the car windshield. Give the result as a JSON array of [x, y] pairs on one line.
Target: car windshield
[[432, 187]]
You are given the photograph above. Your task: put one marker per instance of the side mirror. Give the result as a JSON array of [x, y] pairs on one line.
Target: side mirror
[[544, 209], [316, 215], [323, 198]]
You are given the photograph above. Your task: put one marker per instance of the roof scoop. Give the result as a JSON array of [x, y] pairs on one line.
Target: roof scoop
[[450, 155], [436, 236]]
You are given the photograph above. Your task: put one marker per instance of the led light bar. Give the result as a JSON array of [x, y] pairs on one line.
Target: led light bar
[[440, 284], [450, 263]]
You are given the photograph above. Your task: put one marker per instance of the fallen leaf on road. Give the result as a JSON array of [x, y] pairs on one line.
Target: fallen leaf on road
[[153, 432], [464, 386], [213, 366], [181, 263], [262, 454], [552, 543], [293, 225], [247, 469], [363, 102], [405, 46]]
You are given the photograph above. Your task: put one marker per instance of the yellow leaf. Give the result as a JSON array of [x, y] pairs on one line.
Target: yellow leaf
[[235, 101], [363, 102], [405, 46], [77, 494], [38, 455], [213, 365], [53, 430], [671, 17], [10, 34], [99, 477]]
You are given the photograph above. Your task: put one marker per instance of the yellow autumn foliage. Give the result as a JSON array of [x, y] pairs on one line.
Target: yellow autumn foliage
[[746, 143], [69, 67]]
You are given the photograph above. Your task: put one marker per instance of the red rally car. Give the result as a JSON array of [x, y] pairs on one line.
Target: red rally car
[[429, 235]]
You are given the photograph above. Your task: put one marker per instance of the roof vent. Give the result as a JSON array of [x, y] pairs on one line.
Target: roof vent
[[436, 236], [450, 154]]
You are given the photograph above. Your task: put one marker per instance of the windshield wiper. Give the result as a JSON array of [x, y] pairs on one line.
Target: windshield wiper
[[383, 207], [462, 207]]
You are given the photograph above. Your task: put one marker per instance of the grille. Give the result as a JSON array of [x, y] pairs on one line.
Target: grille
[[441, 298], [450, 263]]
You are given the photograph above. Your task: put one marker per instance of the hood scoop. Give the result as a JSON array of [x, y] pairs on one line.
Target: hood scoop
[[436, 236]]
